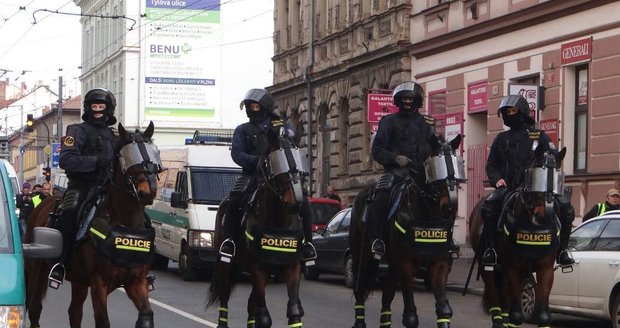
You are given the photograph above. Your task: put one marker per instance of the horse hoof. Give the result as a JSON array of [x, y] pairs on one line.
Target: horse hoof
[[359, 325], [411, 321]]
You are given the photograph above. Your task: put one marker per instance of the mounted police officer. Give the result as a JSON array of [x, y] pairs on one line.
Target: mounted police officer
[[508, 159], [86, 155], [401, 141], [252, 141]]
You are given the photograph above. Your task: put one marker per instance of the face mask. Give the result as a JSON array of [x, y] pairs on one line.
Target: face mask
[[256, 117], [513, 121]]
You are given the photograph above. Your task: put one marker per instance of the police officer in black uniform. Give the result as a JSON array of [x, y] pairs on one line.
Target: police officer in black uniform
[[252, 141], [508, 159], [401, 141], [86, 155]]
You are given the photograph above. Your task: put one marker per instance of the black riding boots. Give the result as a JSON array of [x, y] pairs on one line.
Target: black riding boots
[[232, 219], [489, 230], [564, 256], [308, 252], [66, 225], [375, 223]]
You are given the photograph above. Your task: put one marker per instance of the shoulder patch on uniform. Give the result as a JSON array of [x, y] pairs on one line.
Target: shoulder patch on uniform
[[534, 135], [429, 120], [68, 141], [277, 122]]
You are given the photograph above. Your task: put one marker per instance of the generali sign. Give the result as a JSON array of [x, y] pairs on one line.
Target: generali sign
[[576, 51]]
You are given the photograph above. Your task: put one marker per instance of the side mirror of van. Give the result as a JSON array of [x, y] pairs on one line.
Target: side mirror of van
[[177, 201], [46, 244]]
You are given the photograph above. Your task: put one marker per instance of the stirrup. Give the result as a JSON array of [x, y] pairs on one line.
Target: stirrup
[[489, 265], [566, 267], [225, 255], [309, 256], [56, 276], [378, 249], [150, 281]]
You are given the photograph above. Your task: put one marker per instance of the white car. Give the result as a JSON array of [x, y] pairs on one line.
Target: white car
[[592, 289]]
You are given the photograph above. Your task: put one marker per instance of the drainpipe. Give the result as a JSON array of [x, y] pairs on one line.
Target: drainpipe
[[308, 80]]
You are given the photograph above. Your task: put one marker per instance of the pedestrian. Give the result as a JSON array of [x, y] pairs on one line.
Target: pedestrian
[[508, 158], [331, 194], [23, 201], [36, 189], [252, 141], [86, 155], [45, 192], [402, 141], [610, 204]]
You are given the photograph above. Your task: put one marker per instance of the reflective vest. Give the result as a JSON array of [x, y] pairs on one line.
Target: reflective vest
[[602, 208], [36, 200]]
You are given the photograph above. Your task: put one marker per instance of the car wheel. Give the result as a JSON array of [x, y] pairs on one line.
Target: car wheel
[[160, 262], [311, 272], [185, 270], [349, 280], [528, 298], [615, 312]]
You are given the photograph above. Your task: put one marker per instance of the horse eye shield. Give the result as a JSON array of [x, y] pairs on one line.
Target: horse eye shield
[[443, 167], [287, 160], [143, 154], [543, 179]]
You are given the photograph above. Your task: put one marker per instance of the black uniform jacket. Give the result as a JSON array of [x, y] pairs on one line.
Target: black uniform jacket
[[80, 148]]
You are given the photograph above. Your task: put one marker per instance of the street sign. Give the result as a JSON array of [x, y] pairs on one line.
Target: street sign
[[47, 149], [55, 154]]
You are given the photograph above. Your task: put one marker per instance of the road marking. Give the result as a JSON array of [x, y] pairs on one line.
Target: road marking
[[180, 312]]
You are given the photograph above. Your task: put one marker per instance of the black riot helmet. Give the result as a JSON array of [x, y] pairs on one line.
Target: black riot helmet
[[260, 96], [99, 96], [518, 102], [408, 89]]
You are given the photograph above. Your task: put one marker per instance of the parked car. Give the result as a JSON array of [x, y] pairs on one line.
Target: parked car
[[592, 289], [334, 253], [323, 209], [47, 243], [332, 248]]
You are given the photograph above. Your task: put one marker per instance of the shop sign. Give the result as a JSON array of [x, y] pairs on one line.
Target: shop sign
[[576, 51], [379, 105], [477, 97]]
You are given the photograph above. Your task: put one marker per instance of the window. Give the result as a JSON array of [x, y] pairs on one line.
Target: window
[[211, 186], [610, 238], [581, 239], [581, 118]]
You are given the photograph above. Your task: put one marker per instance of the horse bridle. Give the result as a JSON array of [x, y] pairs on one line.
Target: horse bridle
[[446, 166], [546, 179], [146, 155]]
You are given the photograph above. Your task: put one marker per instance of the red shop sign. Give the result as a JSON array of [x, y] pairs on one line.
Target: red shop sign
[[477, 97], [576, 51], [379, 105]]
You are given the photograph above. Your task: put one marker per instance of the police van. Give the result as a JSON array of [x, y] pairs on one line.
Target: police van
[[197, 177], [46, 243]]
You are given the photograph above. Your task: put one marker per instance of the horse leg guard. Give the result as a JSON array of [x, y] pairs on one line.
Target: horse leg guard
[[385, 318], [294, 313], [360, 316], [222, 319], [444, 313], [496, 317], [263, 319], [544, 316], [145, 321]]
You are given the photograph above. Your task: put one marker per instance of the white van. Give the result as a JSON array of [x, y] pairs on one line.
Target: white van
[[197, 177]]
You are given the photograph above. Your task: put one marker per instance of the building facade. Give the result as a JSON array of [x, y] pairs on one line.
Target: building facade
[[563, 56]]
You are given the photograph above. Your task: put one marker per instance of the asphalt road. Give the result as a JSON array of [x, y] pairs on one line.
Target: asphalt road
[[327, 303]]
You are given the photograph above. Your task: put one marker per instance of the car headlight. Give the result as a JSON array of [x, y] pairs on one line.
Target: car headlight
[[12, 316], [200, 238]]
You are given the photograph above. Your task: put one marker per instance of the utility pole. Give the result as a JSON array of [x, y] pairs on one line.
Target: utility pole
[[21, 145], [59, 123]]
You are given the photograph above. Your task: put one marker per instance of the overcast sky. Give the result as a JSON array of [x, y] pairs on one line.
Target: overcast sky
[[40, 50]]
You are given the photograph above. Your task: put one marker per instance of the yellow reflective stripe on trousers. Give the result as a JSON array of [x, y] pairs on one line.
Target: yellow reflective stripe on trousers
[[293, 325]]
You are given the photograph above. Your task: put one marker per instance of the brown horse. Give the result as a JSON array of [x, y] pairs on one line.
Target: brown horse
[[118, 230], [419, 227], [527, 242], [271, 241]]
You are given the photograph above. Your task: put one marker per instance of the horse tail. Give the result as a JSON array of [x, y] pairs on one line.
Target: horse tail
[[364, 270]]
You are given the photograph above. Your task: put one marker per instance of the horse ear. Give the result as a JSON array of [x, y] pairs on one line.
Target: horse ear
[[561, 154], [149, 130], [121, 130], [456, 142]]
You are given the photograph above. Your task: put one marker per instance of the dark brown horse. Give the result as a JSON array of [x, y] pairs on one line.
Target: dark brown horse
[[527, 242], [271, 241], [418, 229], [118, 248]]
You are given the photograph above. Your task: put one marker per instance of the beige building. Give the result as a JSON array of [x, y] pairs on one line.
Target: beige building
[[562, 55]]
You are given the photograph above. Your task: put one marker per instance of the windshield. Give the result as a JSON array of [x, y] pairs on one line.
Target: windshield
[[322, 212], [211, 185], [6, 244]]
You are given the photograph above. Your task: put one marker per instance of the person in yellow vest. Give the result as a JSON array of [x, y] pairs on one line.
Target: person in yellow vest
[[46, 189], [612, 203]]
